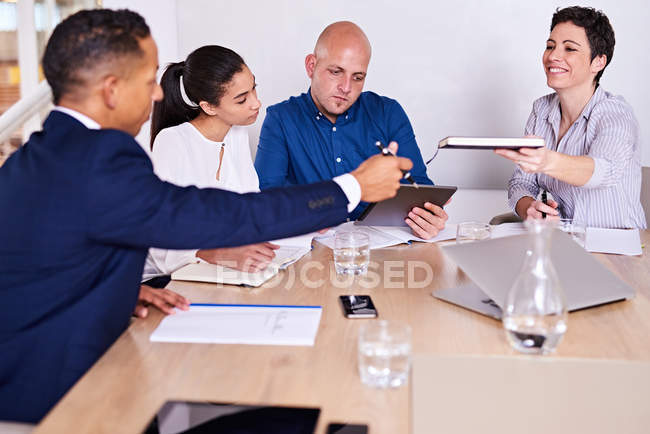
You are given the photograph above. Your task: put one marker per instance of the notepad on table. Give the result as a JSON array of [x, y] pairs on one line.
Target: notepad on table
[[205, 272], [490, 142], [617, 241], [241, 324]]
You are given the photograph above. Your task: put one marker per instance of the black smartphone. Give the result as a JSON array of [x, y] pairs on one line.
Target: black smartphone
[[346, 428], [358, 306]]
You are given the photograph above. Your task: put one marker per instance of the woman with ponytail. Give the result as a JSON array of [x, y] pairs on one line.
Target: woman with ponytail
[[198, 138]]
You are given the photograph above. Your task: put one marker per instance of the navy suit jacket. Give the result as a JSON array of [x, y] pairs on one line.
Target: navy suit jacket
[[79, 209]]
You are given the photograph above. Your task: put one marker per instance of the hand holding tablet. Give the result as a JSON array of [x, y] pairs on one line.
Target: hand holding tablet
[[392, 212]]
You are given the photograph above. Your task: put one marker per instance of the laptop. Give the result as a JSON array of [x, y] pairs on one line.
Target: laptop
[[493, 266]]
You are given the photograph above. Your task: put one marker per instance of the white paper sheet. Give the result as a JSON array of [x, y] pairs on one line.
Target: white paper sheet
[[618, 241], [241, 324], [287, 255], [508, 229], [378, 239], [386, 236], [405, 234], [297, 241]]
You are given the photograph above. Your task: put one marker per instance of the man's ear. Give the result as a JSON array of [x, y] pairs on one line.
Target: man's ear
[[599, 63], [110, 91], [310, 64]]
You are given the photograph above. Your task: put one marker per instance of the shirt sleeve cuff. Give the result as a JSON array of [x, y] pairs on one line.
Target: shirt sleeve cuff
[[180, 258], [600, 172], [515, 197], [351, 188]]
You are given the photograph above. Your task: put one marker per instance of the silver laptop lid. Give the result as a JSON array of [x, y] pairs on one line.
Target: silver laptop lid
[[494, 264]]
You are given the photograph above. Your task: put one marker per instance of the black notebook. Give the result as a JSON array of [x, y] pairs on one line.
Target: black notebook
[[490, 142]]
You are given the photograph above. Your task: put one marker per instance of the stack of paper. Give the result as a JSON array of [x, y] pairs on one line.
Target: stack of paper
[[241, 324]]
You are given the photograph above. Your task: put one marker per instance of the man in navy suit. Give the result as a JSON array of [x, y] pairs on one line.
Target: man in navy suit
[[81, 206]]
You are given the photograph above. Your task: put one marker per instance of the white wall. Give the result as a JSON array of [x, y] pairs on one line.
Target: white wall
[[466, 67], [161, 18]]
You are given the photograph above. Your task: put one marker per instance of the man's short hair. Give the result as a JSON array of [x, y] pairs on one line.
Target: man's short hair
[[600, 33], [87, 39]]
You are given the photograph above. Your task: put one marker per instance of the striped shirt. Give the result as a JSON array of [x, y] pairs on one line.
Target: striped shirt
[[606, 131]]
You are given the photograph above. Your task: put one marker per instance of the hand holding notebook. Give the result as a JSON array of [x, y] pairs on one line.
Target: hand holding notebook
[[490, 142]]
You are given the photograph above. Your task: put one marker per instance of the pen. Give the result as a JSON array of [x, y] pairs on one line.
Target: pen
[[386, 153], [544, 199]]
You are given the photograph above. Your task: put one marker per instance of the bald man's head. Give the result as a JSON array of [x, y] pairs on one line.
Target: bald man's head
[[338, 67], [342, 34]]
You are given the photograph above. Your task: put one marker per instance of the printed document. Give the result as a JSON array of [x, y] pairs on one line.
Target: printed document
[[241, 324]]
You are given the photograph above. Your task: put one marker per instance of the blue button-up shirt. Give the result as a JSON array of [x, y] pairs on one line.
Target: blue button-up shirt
[[299, 145]]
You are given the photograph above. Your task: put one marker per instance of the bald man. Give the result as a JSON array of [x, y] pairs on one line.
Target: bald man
[[333, 127]]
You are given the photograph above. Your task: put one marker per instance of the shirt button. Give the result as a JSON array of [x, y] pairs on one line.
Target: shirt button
[[346, 116], [338, 159], [333, 128]]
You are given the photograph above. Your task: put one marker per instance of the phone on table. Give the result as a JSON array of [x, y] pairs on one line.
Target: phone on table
[[346, 428], [358, 306]]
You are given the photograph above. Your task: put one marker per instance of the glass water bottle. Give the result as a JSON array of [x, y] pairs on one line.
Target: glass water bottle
[[535, 316]]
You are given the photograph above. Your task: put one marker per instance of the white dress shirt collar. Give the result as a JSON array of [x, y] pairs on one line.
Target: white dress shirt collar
[[88, 122]]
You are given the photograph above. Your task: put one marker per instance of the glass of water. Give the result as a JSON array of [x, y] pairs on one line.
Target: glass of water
[[577, 230], [351, 252], [468, 232], [384, 353]]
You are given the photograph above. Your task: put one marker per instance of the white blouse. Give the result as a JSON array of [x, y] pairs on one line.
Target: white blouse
[[183, 156]]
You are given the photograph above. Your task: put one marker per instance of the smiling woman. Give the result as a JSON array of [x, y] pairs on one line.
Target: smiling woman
[[591, 163]]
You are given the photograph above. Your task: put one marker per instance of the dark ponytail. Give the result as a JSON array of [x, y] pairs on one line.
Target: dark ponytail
[[171, 110], [206, 72]]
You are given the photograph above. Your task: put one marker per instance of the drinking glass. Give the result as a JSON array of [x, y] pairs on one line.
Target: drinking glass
[[351, 252], [468, 232], [576, 229], [384, 353]]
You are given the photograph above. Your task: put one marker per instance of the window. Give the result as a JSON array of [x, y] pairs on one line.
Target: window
[[46, 14]]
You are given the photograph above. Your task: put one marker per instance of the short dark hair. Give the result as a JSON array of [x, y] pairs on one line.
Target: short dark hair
[[600, 33], [89, 38], [206, 72]]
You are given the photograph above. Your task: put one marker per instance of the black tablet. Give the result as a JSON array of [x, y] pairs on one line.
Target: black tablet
[[186, 417], [392, 212]]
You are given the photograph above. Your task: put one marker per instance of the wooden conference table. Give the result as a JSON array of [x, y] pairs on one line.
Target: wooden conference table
[[135, 377]]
